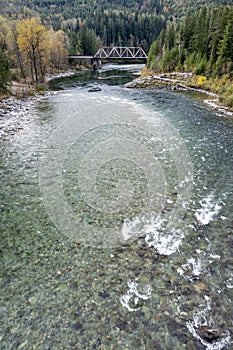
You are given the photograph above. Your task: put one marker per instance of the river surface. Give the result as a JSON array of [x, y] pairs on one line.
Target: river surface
[[116, 219]]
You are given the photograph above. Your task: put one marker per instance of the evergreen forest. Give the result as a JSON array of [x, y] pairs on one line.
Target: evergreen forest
[[202, 43], [36, 36], [114, 22]]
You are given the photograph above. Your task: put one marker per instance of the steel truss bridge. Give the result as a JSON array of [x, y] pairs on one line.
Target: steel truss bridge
[[111, 53], [120, 52]]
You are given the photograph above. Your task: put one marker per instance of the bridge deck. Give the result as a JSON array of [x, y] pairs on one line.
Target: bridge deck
[[80, 56]]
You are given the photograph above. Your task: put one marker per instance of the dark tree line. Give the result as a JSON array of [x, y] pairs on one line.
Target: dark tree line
[[107, 22], [5, 75], [202, 43], [125, 23], [113, 29], [122, 29]]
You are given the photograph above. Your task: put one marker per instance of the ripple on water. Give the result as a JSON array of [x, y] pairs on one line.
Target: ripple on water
[[160, 289]]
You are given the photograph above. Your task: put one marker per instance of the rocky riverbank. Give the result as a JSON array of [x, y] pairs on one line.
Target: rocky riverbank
[[19, 99], [65, 74], [22, 89], [12, 110], [179, 81]]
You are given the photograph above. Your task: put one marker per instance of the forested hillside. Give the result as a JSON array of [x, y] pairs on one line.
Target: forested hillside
[[202, 43], [82, 8], [69, 26], [115, 22], [179, 8], [181, 34]]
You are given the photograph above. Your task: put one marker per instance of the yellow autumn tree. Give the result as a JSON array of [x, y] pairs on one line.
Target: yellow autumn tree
[[33, 43], [14, 54], [58, 52]]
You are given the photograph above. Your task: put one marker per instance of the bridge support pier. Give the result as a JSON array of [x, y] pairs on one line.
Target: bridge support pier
[[97, 64]]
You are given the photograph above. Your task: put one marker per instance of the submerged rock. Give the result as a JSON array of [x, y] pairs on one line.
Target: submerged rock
[[94, 89], [208, 333]]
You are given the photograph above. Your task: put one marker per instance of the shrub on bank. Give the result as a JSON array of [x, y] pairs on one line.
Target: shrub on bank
[[200, 80], [227, 96], [221, 86]]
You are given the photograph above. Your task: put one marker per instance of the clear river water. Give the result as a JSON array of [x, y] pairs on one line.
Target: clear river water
[[116, 219]]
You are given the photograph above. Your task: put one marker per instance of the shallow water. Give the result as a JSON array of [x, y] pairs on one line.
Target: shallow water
[[116, 219]]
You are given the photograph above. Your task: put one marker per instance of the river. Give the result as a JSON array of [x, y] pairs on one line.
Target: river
[[116, 219]]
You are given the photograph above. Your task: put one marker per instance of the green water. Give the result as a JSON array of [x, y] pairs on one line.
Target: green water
[[79, 273]]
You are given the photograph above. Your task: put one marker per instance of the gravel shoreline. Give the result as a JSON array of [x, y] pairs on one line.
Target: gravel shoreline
[[23, 96], [161, 82]]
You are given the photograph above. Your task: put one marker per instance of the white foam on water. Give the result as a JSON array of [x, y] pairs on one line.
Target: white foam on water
[[229, 282], [202, 318], [131, 228], [209, 208], [124, 67], [68, 94], [215, 256], [164, 243], [193, 266], [197, 266], [156, 236], [133, 295]]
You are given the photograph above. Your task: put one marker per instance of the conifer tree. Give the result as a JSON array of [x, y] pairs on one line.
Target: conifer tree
[[5, 75]]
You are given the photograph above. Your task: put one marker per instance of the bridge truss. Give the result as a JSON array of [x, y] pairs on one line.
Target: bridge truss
[[120, 52]]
